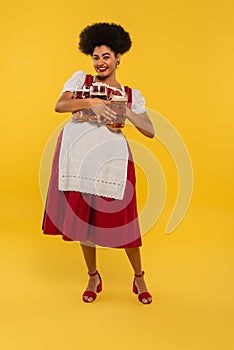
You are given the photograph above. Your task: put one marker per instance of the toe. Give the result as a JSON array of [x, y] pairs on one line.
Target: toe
[[146, 300], [87, 298]]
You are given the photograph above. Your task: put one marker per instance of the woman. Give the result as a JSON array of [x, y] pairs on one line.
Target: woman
[[91, 196]]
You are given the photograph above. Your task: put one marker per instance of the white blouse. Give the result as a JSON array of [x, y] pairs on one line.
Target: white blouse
[[77, 80]]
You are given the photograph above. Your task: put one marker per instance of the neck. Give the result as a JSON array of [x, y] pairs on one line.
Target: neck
[[110, 80], [106, 79]]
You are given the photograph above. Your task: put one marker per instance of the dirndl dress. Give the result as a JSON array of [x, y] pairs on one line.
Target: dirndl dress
[[92, 219]]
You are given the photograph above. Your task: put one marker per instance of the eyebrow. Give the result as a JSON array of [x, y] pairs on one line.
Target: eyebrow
[[105, 53]]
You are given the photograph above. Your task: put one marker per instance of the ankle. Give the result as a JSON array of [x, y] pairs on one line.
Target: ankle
[[139, 274], [92, 273]]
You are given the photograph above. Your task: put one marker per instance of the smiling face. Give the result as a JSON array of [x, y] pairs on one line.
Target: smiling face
[[105, 61]]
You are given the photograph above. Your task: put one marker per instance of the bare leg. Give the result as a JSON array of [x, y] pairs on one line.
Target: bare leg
[[135, 260], [90, 259]]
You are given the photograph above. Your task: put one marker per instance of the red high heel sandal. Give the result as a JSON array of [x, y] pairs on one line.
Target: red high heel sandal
[[89, 293], [143, 295]]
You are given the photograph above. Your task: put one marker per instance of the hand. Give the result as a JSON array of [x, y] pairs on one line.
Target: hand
[[103, 113], [78, 116]]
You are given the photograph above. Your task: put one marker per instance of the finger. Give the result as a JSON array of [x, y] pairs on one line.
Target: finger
[[110, 110], [98, 119], [106, 118], [109, 115]]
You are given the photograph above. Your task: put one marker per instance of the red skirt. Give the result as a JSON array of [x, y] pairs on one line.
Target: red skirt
[[89, 218]]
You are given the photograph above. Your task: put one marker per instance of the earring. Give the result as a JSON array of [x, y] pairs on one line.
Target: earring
[[117, 63]]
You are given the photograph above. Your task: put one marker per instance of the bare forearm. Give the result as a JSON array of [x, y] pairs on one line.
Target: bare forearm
[[71, 105], [141, 122]]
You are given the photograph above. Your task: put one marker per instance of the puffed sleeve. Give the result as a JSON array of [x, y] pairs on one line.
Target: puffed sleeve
[[138, 102], [75, 82]]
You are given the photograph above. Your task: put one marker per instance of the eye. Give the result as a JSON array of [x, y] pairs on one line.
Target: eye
[[106, 57]]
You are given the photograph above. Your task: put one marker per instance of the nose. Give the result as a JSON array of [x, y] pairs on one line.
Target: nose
[[100, 61]]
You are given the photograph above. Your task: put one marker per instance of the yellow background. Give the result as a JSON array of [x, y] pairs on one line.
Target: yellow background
[[182, 61]]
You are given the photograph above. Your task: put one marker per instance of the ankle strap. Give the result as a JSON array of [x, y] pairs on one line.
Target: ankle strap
[[142, 274], [93, 274]]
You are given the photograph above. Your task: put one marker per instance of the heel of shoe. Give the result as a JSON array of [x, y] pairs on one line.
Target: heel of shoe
[[99, 287], [134, 288]]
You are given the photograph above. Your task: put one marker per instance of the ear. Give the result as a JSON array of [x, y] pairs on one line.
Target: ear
[[118, 56]]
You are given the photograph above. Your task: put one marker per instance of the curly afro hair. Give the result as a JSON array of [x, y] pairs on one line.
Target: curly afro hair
[[109, 34]]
